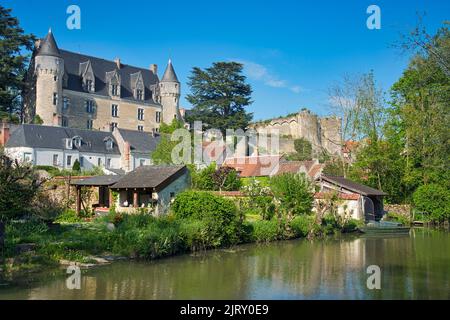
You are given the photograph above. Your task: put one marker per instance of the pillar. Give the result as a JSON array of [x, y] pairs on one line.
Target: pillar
[[78, 200], [135, 199]]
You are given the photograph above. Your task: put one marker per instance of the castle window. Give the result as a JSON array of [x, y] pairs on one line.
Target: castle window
[[115, 90], [65, 103], [112, 126], [139, 94], [55, 78], [89, 106], [140, 128], [81, 162], [64, 122], [158, 117], [89, 124], [89, 85], [69, 161], [99, 162], [55, 98], [141, 114], [108, 163], [69, 144], [115, 110]]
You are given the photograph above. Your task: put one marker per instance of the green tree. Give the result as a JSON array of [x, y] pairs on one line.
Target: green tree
[[219, 95], [293, 193], [303, 150], [163, 152], [76, 166], [226, 179], [13, 62], [433, 200]]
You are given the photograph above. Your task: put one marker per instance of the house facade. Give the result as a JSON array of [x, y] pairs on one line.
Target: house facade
[[60, 147], [73, 90], [150, 188]]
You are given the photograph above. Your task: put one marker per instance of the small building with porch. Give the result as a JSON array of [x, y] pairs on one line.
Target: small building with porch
[[147, 187]]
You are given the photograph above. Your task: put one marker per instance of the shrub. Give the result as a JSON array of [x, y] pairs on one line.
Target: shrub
[[302, 225], [261, 199], [265, 231], [68, 216], [392, 216], [218, 214], [433, 200], [293, 192], [76, 166]]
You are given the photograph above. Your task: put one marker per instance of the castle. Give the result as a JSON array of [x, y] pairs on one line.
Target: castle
[[324, 133], [73, 90]]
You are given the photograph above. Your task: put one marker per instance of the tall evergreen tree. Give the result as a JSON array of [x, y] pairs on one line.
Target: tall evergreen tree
[[13, 62], [219, 95]]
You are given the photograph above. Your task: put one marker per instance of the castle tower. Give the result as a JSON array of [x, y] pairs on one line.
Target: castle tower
[[169, 89], [49, 71]]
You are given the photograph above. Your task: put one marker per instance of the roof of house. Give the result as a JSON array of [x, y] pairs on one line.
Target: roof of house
[[97, 181], [294, 166], [342, 196], [100, 68], [352, 186], [150, 177], [254, 166], [140, 142], [48, 137], [169, 74]]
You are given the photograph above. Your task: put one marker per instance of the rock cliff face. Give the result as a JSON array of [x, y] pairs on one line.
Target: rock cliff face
[[323, 133]]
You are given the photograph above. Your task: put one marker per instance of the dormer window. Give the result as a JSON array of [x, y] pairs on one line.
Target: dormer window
[[87, 76], [89, 85], [137, 85], [109, 144], [77, 142], [139, 94], [69, 144], [114, 90]]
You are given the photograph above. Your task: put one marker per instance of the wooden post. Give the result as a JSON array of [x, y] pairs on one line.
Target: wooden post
[[135, 199], [111, 199], [78, 200]]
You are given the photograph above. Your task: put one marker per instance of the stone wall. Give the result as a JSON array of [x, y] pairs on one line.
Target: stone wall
[[322, 133], [101, 117], [402, 209]]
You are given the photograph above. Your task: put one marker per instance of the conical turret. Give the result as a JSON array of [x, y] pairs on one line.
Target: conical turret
[[48, 46]]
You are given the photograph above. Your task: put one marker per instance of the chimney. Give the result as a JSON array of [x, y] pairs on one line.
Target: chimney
[[4, 133], [154, 68], [127, 152], [118, 64]]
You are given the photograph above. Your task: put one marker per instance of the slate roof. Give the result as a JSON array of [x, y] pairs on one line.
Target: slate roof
[[140, 142], [149, 177], [97, 181], [100, 67], [48, 46], [352, 186], [169, 74], [47, 137]]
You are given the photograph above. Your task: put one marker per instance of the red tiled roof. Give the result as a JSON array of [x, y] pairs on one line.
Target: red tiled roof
[[256, 166]]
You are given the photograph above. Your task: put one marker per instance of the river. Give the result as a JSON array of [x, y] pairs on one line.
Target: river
[[412, 267]]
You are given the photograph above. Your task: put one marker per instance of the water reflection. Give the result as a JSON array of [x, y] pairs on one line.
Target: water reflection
[[413, 267]]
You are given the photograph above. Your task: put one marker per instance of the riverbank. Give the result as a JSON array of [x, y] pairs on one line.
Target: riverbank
[[34, 246]]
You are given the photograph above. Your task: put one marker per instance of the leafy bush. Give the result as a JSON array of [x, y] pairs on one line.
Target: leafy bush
[[293, 192], [433, 200], [218, 214], [212, 179], [261, 199], [301, 225], [76, 166], [265, 231], [392, 216], [68, 216]]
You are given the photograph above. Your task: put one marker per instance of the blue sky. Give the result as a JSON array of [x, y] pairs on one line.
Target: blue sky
[[293, 50]]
